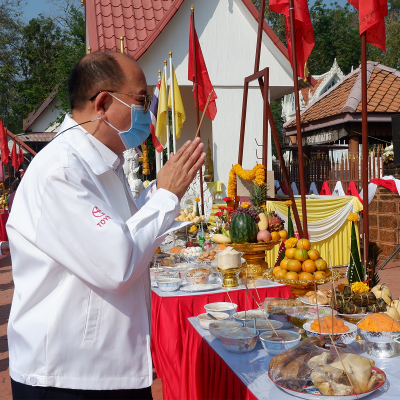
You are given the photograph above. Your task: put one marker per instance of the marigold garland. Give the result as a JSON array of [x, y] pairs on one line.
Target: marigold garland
[[257, 174], [353, 217], [359, 287]]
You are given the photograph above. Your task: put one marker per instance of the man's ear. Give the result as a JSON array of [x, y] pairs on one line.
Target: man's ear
[[102, 104]]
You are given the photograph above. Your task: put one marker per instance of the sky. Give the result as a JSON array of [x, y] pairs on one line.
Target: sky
[[35, 7]]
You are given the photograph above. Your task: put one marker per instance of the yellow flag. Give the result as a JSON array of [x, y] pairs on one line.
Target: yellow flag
[[180, 115], [162, 119]]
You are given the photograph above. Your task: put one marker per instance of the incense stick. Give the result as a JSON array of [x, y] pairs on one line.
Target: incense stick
[[204, 111], [316, 303], [355, 266], [340, 358], [333, 287]]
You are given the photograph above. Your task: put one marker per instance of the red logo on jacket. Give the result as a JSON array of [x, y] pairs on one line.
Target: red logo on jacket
[[96, 212]]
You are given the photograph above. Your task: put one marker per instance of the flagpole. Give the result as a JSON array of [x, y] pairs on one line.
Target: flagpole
[[196, 93], [166, 91], [298, 121], [158, 155], [365, 221], [172, 103]]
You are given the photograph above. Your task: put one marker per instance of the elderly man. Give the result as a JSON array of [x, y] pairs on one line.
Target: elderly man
[[79, 326]]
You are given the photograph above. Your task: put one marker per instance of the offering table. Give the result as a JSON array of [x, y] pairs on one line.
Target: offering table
[[170, 313], [209, 371]]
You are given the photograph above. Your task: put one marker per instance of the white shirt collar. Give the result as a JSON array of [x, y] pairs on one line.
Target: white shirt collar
[[112, 159]]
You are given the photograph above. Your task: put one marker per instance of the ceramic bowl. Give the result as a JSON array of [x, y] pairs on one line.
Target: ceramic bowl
[[233, 342], [205, 320], [250, 315], [167, 275], [223, 306], [217, 326], [169, 285], [154, 272], [276, 346], [284, 319], [265, 326], [197, 279]]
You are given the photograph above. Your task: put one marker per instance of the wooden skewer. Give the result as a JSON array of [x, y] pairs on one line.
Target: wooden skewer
[[340, 358], [333, 287], [204, 111], [355, 264]]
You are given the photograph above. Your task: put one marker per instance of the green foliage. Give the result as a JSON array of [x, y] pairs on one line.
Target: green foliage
[[276, 109], [36, 58], [290, 229]]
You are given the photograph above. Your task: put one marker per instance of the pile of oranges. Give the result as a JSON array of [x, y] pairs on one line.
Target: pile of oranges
[[327, 325], [302, 263]]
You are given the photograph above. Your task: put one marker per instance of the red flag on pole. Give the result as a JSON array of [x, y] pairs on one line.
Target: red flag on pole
[[204, 84], [14, 157], [5, 151], [371, 17], [303, 30], [21, 158]]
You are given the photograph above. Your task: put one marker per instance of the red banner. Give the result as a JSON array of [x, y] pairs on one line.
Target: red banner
[[303, 30], [204, 84], [371, 16], [5, 151], [14, 156]]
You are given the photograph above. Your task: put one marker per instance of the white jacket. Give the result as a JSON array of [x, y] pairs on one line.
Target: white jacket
[[81, 311]]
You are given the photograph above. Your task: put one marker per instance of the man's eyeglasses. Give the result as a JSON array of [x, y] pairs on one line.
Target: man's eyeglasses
[[147, 98]]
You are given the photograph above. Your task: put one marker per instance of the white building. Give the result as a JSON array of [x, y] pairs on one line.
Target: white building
[[227, 31]]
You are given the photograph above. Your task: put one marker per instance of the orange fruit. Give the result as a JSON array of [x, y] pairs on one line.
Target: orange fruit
[[306, 276], [221, 247], [300, 254], [308, 266], [294, 265], [321, 265], [289, 253], [283, 263], [313, 254], [292, 275], [281, 273], [283, 233], [275, 236], [319, 275], [304, 244], [275, 270]]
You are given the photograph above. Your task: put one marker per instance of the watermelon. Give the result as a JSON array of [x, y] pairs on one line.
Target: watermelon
[[243, 229]]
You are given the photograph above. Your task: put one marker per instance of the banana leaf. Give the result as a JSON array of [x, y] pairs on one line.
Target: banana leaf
[[355, 272]]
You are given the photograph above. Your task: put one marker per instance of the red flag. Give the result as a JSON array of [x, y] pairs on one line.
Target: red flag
[[5, 151], [371, 17], [14, 157], [303, 30], [21, 158], [204, 84]]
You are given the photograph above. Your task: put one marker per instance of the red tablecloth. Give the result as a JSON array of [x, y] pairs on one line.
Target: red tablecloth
[[170, 324], [3, 221], [205, 375]]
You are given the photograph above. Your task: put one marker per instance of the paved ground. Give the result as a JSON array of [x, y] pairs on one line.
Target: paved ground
[[390, 275]]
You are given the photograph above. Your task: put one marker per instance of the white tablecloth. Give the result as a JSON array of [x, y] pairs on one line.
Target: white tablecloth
[[252, 369], [261, 283]]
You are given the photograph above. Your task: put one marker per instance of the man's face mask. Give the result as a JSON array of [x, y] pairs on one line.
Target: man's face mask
[[140, 126]]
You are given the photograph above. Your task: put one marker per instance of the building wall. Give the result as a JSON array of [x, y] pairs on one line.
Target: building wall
[[384, 222], [227, 35], [45, 122]]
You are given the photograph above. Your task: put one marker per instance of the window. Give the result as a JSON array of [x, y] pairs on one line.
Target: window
[[331, 84]]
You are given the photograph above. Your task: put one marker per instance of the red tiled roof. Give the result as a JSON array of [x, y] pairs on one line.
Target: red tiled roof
[[140, 22], [345, 97]]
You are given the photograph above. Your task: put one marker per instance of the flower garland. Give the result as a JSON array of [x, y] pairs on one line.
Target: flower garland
[[353, 217], [257, 174]]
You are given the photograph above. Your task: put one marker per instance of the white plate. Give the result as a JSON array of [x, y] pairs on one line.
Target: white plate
[[303, 300], [347, 337], [322, 397], [200, 287]]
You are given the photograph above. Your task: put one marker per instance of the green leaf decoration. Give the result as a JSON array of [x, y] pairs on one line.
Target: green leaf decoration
[[290, 226], [355, 272]]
